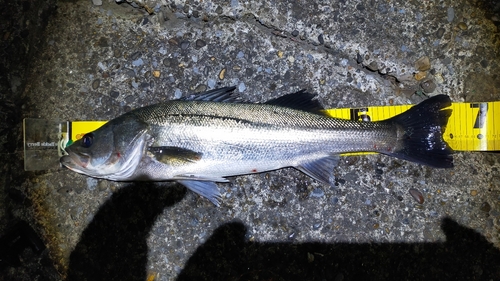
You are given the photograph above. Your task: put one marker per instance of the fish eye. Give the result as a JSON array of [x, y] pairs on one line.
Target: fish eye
[[87, 140]]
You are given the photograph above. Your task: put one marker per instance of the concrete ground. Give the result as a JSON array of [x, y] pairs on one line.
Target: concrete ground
[[98, 59]]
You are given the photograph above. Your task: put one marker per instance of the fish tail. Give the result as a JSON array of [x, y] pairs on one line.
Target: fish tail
[[420, 133]]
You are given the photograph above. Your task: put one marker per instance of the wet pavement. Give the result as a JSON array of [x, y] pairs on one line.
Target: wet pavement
[[383, 218]]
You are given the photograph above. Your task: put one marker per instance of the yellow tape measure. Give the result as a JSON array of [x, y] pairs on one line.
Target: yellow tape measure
[[80, 128], [471, 127]]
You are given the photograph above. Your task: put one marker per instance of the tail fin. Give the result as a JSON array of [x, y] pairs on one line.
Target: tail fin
[[420, 133]]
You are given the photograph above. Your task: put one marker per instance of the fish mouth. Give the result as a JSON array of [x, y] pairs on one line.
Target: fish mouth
[[75, 162]]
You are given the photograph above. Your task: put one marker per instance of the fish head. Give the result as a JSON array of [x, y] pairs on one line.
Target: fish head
[[111, 152]]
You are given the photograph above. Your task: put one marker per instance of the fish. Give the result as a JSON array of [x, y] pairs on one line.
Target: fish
[[201, 140]]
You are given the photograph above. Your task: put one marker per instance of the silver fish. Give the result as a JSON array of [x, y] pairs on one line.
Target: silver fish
[[203, 140]]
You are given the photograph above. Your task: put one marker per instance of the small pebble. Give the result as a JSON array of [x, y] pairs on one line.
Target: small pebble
[[420, 75], [317, 226], [417, 195], [130, 99], [114, 94], [373, 66], [211, 83], [359, 58], [317, 193], [462, 25], [295, 33], [185, 45], [177, 94], [200, 88], [485, 207], [200, 43], [242, 87], [484, 63], [280, 54], [135, 55], [428, 85], [95, 84], [222, 74], [423, 64], [439, 78], [473, 192], [321, 40], [450, 13], [156, 73], [138, 62], [440, 32], [91, 183], [102, 185], [102, 66]]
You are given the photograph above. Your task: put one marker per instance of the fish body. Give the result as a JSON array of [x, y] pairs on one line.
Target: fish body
[[204, 140]]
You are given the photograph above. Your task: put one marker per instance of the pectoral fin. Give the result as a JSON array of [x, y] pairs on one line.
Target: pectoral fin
[[174, 156], [206, 189], [320, 169]]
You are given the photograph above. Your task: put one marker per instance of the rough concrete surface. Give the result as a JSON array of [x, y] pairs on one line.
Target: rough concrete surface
[[99, 59]]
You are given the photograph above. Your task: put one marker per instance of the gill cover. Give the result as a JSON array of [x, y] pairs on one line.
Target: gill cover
[[112, 152]]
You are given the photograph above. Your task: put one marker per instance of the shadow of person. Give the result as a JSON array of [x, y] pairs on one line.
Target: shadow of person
[[113, 246], [227, 255]]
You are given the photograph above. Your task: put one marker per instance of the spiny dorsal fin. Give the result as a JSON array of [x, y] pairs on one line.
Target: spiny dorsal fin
[[300, 100], [217, 95]]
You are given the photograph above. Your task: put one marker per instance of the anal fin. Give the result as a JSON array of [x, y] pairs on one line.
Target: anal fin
[[206, 189], [320, 169]]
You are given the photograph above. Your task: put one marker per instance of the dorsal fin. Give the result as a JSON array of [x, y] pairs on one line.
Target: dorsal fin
[[300, 100], [217, 95]]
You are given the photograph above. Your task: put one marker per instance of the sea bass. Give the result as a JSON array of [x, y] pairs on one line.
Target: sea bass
[[203, 140]]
